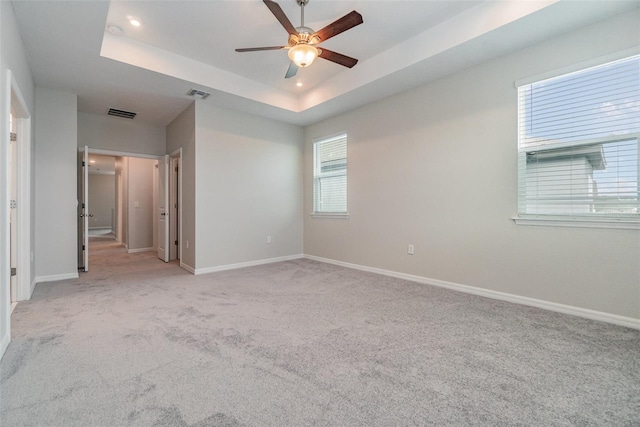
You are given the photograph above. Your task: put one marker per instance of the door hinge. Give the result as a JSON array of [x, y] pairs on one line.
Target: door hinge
[[83, 163], [13, 271], [176, 169], [13, 137], [176, 243], [83, 247], [82, 205]]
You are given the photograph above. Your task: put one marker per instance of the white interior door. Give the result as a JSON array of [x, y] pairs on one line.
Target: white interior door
[[13, 243], [163, 208], [173, 208], [85, 208]]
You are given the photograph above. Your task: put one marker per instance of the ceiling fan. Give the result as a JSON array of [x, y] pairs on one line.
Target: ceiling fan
[[303, 40]]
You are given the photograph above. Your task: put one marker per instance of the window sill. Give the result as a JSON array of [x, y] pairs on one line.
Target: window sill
[[627, 224], [330, 215]]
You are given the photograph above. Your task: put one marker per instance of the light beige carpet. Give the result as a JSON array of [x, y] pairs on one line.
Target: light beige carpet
[[139, 342]]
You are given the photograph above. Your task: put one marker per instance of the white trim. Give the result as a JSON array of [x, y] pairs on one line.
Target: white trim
[[594, 62], [178, 154], [4, 343], [629, 322], [5, 243], [331, 137], [56, 277], [13, 306], [578, 222], [23, 191], [134, 251], [122, 153], [330, 215], [187, 267], [246, 264]]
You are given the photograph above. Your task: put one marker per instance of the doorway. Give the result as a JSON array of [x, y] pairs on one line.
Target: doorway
[[20, 247], [118, 201]]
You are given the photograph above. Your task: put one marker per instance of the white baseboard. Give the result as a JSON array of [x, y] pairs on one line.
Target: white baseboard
[[246, 264], [133, 251], [56, 277], [188, 267], [629, 322], [4, 344]]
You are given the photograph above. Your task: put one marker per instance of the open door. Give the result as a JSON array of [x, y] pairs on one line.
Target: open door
[[163, 208], [174, 217], [83, 209], [13, 229]]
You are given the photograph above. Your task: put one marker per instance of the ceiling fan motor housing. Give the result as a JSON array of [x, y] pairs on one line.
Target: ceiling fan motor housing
[[305, 35]]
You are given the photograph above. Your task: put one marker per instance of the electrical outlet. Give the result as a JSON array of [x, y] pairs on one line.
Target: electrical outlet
[[187, 244], [268, 239], [136, 204], [410, 249]]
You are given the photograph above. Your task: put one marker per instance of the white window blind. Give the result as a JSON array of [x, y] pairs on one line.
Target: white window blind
[[578, 143], [330, 175]]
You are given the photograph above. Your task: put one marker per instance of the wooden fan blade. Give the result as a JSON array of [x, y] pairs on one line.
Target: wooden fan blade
[[256, 49], [293, 69], [345, 23], [280, 16], [338, 58]]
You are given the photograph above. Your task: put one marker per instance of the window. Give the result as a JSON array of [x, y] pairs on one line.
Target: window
[[578, 145], [330, 176]]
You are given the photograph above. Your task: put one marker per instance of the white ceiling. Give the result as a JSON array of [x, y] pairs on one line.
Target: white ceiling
[[190, 44]]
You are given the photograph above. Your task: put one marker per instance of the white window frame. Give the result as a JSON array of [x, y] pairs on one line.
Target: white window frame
[[319, 175], [616, 222]]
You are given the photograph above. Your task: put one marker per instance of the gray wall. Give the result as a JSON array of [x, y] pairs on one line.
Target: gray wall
[[102, 200], [248, 187], [55, 175], [140, 203], [118, 134], [437, 167], [181, 133]]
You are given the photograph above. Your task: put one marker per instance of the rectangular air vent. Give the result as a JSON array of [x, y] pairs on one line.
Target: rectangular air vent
[[198, 94], [121, 113]]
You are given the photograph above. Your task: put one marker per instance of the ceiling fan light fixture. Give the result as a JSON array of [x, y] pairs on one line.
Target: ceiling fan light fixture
[[303, 54]]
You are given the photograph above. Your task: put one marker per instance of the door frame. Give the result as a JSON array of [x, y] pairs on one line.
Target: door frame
[[83, 208], [113, 153], [175, 233], [22, 116], [162, 189], [13, 101]]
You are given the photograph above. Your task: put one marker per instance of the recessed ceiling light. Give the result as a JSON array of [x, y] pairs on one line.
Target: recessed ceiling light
[[134, 22], [299, 84], [92, 161], [115, 30]]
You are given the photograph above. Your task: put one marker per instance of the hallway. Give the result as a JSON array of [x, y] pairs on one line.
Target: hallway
[[109, 259]]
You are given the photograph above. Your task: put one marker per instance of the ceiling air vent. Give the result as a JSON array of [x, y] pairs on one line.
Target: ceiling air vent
[[198, 94], [121, 113]]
